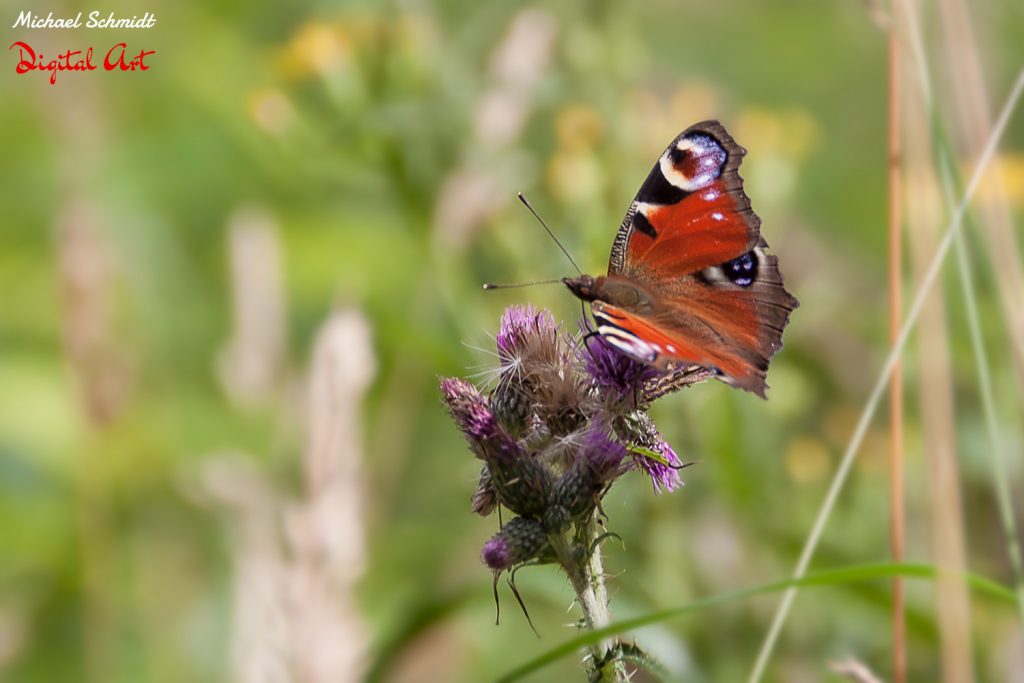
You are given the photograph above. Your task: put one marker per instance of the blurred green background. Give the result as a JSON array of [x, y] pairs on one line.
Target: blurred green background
[[176, 502]]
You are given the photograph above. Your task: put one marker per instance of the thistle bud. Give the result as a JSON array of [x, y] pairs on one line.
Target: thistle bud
[[556, 519], [577, 490], [468, 409], [524, 485], [520, 540], [511, 406]]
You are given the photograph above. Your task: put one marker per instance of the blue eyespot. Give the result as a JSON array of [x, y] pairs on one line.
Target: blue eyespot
[[741, 271]]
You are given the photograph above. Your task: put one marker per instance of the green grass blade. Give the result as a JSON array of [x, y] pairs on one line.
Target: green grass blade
[[829, 577]]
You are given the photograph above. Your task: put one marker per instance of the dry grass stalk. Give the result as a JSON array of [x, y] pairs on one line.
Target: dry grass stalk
[[327, 530], [937, 410], [252, 360], [98, 360], [896, 505], [97, 363], [297, 562], [973, 121], [261, 632], [90, 343], [14, 634], [855, 670], [472, 193]]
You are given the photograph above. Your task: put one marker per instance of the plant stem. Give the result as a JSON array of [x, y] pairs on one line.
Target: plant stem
[[896, 503], [586, 574]]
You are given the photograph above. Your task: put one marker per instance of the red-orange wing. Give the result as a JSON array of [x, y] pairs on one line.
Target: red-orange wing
[[691, 212], [692, 242]]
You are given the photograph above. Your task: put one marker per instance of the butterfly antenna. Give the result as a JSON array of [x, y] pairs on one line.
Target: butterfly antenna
[[491, 285], [550, 234]]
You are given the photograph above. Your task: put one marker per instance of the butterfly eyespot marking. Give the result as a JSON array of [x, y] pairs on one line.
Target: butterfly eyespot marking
[[742, 271], [694, 162]]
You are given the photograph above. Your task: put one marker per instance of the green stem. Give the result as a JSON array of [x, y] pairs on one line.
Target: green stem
[[585, 570]]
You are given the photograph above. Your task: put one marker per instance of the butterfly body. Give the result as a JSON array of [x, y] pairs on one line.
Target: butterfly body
[[690, 281], [612, 289]]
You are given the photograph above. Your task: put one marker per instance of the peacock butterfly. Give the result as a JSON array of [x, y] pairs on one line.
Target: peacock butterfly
[[690, 281]]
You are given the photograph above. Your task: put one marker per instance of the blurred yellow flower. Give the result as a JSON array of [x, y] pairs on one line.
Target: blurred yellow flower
[[316, 49], [654, 120], [578, 127], [807, 460], [875, 452], [779, 142], [791, 133], [1010, 166], [693, 102], [574, 176]]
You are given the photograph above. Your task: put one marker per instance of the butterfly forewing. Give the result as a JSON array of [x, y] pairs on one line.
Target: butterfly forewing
[[691, 242], [691, 212]]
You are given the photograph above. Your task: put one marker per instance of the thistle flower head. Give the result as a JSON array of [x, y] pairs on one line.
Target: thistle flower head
[[497, 553], [599, 461], [613, 370], [536, 366], [664, 477], [487, 438], [523, 484], [564, 421], [601, 453], [638, 429], [524, 333], [466, 405]]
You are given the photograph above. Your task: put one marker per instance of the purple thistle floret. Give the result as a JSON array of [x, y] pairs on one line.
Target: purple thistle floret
[[496, 553], [518, 324], [487, 438], [663, 477], [613, 369], [602, 453], [465, 403]]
